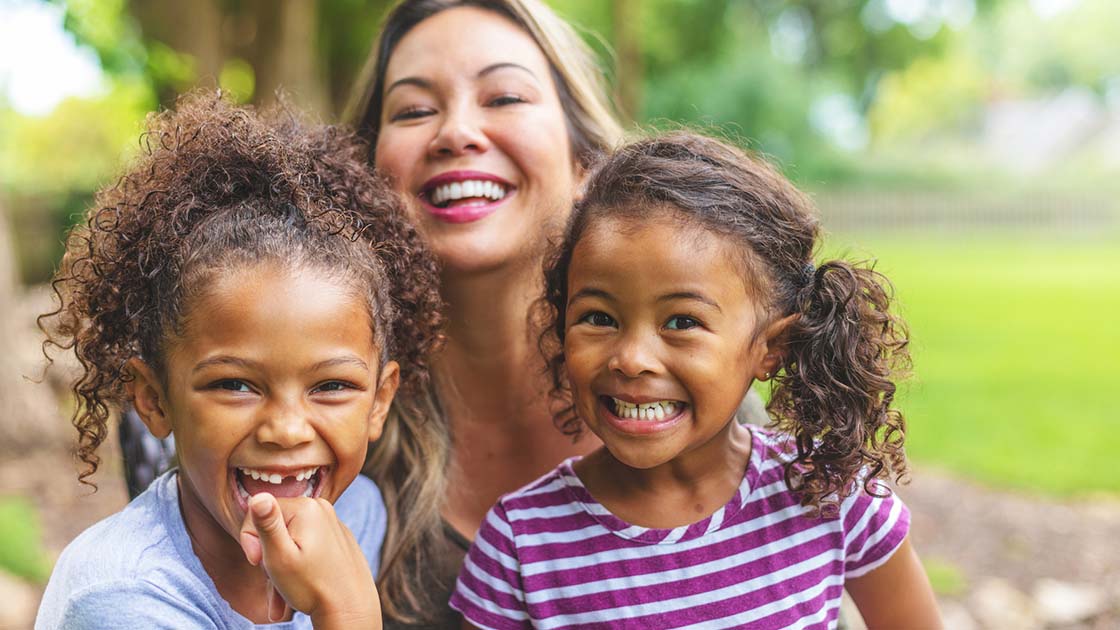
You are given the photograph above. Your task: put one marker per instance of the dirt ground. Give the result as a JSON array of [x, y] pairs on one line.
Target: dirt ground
[[981, 532]]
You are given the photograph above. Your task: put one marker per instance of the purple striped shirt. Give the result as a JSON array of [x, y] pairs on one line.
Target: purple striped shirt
[[550, 556]]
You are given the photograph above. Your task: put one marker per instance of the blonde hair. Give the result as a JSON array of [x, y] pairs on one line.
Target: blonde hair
[[410, 461]]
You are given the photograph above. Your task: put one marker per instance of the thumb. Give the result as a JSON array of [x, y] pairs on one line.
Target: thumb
[[266, 523]]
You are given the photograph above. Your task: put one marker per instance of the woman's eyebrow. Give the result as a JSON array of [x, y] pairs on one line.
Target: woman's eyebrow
[[427, 85], [417, 81], [502, 65]]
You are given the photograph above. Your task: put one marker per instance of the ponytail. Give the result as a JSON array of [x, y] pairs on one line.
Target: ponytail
[[835, 395]]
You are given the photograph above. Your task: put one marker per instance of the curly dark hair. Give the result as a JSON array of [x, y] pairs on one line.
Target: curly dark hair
[[218, 186], [836, 384]]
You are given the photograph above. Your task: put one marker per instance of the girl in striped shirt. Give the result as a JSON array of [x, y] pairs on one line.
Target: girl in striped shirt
[[685, 275]]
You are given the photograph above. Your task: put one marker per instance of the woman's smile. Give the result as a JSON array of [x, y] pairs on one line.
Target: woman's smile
[[472, 128], [464, 196]]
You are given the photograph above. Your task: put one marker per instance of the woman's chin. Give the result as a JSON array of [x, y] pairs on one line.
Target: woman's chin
[[466, 254]]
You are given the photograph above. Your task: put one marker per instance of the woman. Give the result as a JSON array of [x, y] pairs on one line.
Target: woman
[[486, 113]]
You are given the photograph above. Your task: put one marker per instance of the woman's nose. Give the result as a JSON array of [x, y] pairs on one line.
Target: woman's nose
[[285, 425], [633, 357], [460, 132]]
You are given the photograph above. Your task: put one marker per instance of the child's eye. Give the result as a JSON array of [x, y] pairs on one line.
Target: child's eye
[[597, 318], [333, 386], [681, 322], [232, 385]]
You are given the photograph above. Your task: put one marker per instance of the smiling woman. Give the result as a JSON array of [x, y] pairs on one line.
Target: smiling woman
[[486, 114]]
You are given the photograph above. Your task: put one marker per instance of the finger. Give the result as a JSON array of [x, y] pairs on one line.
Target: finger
[[272, 531], [305, 516], [250, 542]]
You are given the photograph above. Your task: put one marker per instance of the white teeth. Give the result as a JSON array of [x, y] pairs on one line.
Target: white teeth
[[646, 411], [306, 474], [277, 478], [467, 189]]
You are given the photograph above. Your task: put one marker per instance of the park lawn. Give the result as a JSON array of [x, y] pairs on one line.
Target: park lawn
[[1016, 345], [21, 548]]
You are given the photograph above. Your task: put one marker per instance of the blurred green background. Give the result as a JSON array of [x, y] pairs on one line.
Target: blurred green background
[[970, 146]]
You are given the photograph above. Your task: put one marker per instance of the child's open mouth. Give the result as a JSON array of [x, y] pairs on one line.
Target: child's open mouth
[[305, 482], [652, 411]]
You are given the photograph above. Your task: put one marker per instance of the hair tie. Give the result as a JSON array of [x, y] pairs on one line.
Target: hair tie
[[805, 285], [807, 274]]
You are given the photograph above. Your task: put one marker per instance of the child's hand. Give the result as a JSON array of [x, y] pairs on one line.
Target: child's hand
[[312, 560]]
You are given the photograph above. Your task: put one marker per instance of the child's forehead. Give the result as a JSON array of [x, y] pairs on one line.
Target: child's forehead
[[669, 232], [274, 289], [672, 226]]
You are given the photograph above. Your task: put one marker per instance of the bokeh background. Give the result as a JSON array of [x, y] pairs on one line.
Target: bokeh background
[[970, 147]]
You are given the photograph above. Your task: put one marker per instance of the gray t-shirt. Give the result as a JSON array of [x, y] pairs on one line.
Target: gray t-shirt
[[136, 569]]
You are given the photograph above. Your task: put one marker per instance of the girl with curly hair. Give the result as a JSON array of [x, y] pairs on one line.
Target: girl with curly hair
[[251, 287], [686, 274]]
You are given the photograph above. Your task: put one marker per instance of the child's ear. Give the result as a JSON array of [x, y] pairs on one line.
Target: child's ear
[[148, 398], [383, 398], [773, 341]]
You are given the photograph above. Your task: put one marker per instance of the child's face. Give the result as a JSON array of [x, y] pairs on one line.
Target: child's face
[[658, 345], [274, 379]]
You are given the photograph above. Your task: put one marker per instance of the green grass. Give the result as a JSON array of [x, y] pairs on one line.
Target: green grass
[[944, 576], [1016, 345], [21, 550]]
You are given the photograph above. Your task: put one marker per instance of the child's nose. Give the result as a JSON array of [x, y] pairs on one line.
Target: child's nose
[[285, 425], [634, 356]]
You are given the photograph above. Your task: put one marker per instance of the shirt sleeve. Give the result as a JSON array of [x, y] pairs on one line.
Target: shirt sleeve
[[362, 509], [874, 527], [489, 591], [127, 604]]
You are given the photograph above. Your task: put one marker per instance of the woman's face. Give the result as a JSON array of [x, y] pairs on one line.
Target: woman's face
[[473, 132]]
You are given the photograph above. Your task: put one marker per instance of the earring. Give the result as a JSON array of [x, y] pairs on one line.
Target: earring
[[766, 376]]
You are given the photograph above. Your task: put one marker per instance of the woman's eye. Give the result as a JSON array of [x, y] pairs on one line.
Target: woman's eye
[[411, 113], [681, 322], [233, 385], [597, 318], [506, 99]]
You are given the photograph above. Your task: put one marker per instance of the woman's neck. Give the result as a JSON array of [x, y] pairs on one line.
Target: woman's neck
[[488, 315], [494, 391]]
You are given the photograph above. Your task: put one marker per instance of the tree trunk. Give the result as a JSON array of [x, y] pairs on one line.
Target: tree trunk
[[193, 28], [626, 27], [29, 413], [285, 55]]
